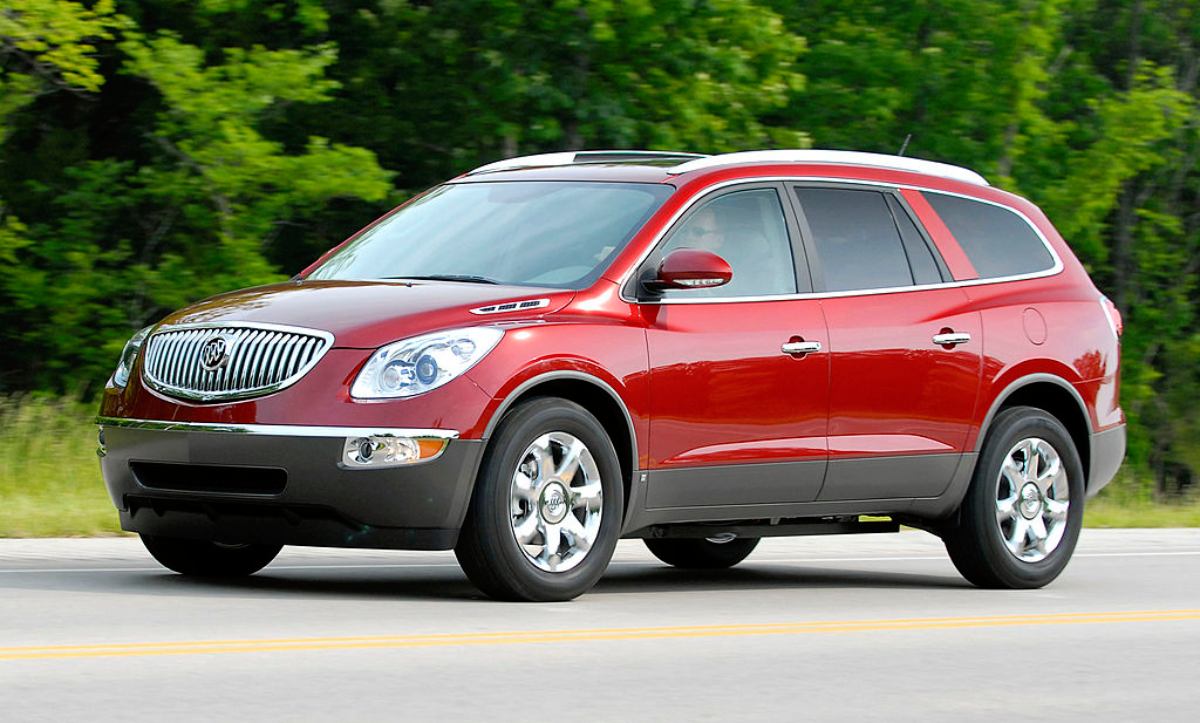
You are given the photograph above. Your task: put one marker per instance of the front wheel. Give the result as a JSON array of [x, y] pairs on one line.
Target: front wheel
[[546, 511], [1020, 520], [203, 558]]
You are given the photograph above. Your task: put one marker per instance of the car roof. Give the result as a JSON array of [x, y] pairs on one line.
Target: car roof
[[665, 166], [629, 172]]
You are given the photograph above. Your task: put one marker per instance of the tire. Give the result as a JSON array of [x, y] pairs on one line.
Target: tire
[[708, 554], [514, 497], [203, 558], [995, 543]]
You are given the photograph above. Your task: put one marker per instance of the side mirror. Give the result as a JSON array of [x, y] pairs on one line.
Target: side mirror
[[690, 269]]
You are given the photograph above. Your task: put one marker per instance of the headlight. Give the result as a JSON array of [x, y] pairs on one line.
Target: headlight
[[417, 365], [128, 357]]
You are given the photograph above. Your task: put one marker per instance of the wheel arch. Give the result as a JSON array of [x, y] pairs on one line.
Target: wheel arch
[[594, 395], [1053, 395]]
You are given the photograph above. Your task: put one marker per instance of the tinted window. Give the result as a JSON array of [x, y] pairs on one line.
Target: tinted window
[[997, 241], [747, 229], [543, 233], [920, 257], [855, 239]]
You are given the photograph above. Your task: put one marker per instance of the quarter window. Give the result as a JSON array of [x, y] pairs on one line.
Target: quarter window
[[747, 229], [855, 238], [997, 241]]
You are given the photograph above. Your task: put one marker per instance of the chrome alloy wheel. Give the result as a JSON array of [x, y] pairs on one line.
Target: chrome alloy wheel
[[556, 502], [1032, 499]]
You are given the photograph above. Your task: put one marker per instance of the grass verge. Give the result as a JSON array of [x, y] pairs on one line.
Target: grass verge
[[50, 483], [1116, 511]]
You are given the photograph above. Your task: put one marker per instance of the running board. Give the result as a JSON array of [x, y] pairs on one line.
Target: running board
[[784, 528]]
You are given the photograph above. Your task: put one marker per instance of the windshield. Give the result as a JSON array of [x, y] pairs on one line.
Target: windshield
[[533, 233]]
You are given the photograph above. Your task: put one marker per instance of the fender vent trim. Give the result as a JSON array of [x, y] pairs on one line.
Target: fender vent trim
[[504, 308]]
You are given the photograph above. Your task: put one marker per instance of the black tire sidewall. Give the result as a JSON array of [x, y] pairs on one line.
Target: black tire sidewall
[[204, 558], [979, 513], [700, 553], [489, 521]]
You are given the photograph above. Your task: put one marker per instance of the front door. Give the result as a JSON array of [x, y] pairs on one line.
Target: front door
[[735, 418]]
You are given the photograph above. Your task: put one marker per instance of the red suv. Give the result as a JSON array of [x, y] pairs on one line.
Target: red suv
[[549, 353]]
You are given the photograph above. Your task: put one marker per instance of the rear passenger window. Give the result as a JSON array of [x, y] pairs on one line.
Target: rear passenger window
[[997, 241], [856, 239]]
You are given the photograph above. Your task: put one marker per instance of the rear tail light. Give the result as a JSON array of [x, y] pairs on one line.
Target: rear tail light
[[1113, 315]]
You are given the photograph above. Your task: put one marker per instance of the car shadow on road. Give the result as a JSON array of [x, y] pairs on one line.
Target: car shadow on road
[[449, 584], [660, 579], [387, 583]]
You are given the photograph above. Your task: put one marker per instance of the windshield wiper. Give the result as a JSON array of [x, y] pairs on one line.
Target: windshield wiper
[[449, 277]]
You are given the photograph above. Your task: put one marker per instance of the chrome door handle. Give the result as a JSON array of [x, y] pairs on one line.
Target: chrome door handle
[[801, 347], [951, 339]]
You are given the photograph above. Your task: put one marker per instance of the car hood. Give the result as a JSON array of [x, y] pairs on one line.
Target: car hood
[[368, 314]]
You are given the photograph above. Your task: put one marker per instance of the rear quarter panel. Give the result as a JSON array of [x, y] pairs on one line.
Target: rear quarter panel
[[1054, 326]]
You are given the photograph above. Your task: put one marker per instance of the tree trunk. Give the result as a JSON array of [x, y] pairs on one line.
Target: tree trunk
[[1122, 248]]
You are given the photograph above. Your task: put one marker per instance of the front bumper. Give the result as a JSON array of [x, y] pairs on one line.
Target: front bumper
[[315, 501]]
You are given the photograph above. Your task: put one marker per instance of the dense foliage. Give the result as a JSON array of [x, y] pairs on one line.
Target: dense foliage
[[158, 151]]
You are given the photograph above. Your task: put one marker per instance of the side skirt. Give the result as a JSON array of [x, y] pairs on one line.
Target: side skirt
[[785, 528], [674, 497]]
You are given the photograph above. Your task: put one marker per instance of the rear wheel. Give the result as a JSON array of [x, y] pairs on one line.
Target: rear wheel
[[203, 558], [713, 553], [1020, 520], [546, 511]]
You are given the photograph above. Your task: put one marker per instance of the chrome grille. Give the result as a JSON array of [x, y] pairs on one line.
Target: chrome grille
[[249, 360]]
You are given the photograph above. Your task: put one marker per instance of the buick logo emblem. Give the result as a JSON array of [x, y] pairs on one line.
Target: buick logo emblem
[[554, 503], [214, 354]]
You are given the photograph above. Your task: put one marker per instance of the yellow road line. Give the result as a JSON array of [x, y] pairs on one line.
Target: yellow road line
[[208, 647]]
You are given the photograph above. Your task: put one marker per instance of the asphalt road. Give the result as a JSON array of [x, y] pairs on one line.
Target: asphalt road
[[867, 627]]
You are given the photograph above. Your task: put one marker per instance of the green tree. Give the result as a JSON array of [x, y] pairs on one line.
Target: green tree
[[119, 241], [156, 151], [51, 44], [439, 87]]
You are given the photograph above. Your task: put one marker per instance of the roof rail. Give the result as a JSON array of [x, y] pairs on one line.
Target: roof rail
[[567, 158], [850, 158]]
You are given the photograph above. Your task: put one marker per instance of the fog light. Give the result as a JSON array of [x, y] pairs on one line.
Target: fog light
[[385, 451]]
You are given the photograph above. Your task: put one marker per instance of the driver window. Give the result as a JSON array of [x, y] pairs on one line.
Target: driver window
[[748, 230]]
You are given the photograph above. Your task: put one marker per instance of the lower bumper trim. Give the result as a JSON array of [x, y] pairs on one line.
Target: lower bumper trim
[[281, 488], [271, 523], [1107, 453]]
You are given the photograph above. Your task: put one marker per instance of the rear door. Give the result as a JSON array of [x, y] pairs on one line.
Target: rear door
[[735, 418], [904, 348]]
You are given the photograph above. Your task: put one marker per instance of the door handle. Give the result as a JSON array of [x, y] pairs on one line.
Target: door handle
[[801, 347], [949, 339]]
